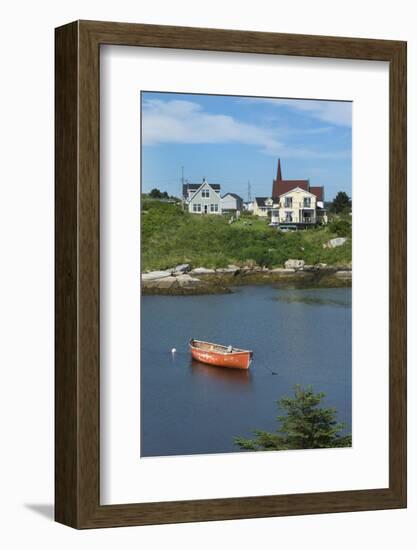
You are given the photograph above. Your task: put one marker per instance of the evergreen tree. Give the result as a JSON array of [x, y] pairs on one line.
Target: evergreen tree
[[305, 426], [341, 203], [155, 194]]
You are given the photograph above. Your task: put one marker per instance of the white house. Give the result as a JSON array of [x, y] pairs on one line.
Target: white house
[[262, 206], [202, 198], [298, 206], [293, 202], [231, 203], [296, 202]]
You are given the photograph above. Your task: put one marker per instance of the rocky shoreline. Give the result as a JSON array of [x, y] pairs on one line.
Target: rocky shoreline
[[184, 280]]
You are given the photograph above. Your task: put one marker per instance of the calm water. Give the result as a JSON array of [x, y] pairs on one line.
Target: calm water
[[187, 407]]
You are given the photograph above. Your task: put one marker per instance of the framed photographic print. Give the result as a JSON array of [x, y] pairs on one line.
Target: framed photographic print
[[230, 274]]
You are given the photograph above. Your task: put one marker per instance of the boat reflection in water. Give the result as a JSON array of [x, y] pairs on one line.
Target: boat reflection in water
[[238, 377]]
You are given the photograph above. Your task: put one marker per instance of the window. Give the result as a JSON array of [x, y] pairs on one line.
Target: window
[[288, 202], [211, 207], [216, 207], [288, 216], [205, 193], [307, 202], [196, 207]]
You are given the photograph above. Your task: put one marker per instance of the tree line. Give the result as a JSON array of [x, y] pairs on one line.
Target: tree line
[[157, 194]]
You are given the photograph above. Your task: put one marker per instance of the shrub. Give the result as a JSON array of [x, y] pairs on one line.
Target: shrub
[[341, 228], [305, 425]]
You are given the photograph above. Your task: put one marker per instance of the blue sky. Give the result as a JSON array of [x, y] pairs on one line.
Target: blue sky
[[232, 140]]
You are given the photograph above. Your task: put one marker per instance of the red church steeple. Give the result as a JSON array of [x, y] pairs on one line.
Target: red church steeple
[[279, 175], [280, 186]]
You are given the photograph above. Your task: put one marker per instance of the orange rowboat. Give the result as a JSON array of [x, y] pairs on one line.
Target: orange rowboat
[[220, 356]]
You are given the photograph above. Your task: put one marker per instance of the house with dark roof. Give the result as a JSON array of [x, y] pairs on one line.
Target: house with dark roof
[[231, 203], [262, 206], [202, 198], [293, 202]]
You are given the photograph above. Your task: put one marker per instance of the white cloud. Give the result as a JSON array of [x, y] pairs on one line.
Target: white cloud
[[181, 121], [338, 113]]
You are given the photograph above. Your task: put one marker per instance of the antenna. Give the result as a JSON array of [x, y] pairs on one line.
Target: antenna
[[182, 187], [249, 193]]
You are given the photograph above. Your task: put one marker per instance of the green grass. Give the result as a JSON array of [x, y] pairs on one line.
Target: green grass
[[171, 236]]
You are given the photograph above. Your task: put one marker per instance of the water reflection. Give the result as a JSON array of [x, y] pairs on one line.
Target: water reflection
[[239, 377], [191, 408], [311, 299]]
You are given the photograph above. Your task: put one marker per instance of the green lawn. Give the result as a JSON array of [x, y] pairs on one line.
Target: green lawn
[[171, 236]]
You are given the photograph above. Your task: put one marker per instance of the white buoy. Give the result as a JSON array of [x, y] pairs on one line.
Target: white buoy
[[173, 350]]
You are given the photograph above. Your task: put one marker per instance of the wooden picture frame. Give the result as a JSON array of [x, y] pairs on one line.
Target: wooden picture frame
[[77, 405]]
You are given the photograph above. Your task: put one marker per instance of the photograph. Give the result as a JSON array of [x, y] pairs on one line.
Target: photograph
[[246, 274], [208, 275]]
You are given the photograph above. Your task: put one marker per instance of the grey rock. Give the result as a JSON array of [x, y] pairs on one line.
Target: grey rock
[[333, 243], [282, 270], [167, 282], [152, 275], [250, 270], [294, 264], [202, 271], [317, 268], [228, 269], [344, 274], [188, 281]]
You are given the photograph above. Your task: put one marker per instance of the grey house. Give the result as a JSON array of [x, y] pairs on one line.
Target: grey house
[[231, 203], [202, 198]]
